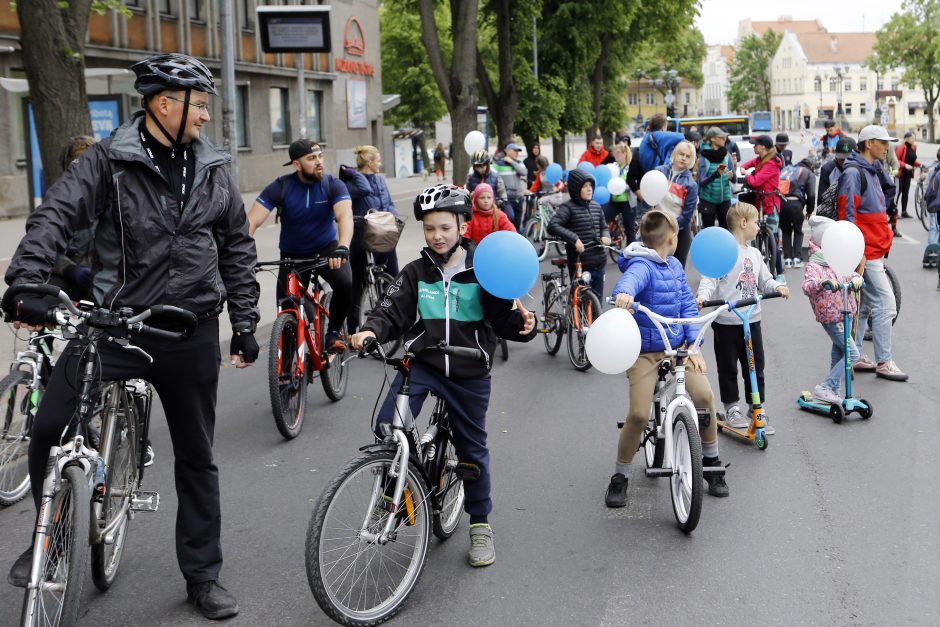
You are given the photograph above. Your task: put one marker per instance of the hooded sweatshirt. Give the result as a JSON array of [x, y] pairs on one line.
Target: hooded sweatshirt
[[682, 195], [580, 219], [869, 211], [485, 222], [594, 157], [660, 285]]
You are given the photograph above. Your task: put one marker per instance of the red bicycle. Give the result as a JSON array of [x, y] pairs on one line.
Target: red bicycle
[[296, 352]]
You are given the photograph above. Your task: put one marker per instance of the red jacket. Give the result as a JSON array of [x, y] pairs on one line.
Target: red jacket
[[594, 157], [765, 178], [901, 152], [482, 225]]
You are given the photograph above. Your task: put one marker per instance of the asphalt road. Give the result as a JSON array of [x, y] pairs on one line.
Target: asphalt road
[[832, 525]]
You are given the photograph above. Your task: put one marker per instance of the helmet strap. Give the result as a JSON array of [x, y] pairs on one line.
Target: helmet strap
[[177, 142]]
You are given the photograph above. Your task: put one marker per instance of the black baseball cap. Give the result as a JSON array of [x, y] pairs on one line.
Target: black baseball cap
[[300, 148], [765, 141], [845, 146]]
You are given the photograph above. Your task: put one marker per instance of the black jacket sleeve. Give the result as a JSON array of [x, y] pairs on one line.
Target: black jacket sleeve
[[557, 225], [635, 172], [237, 260], [507, 322], [71, 201], [397, 311]]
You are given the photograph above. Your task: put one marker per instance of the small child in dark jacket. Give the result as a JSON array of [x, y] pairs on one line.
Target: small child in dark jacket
[[580, 223], [437, 299]]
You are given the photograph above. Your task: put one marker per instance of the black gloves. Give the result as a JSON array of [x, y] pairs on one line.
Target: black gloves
[[340, 252], [244, 344], [30, 309]]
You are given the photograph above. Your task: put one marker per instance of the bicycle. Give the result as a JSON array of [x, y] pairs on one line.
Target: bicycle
[[920, 207], [88, 495], [766, 241], [569, 310], [20, 393], [369, 534], [376, 282], [896, 289], [294, 354], [671, 443], [618, 239], [536, 227]]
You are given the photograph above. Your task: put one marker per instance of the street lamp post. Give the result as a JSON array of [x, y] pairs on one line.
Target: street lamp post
[[639, 101], [819, 82], [671, 81], [841, 72]]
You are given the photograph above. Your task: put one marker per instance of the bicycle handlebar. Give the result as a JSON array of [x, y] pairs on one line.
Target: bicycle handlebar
[[737, 304], [316, 262], [371, 345]]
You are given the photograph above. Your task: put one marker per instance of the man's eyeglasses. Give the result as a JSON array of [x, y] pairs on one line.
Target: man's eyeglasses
[[200, 107]]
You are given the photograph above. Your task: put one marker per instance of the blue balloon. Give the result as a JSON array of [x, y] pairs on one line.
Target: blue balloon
[[553, 173], [714, 252], [587, 166], [505, 264], [602, 194], [602, 176]]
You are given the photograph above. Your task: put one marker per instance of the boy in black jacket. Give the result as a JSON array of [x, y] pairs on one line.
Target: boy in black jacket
[[580, 223], [437, 299]]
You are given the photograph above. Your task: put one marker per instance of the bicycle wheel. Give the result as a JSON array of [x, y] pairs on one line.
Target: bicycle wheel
[[503, 349], [450, 490], [919, 208], [896, 289], [286, 383], [653, 447], [372, 295], [554, 317], [337, 373], [54, 600], [120, 447], [18, 402], [685, 484], [616, 238], [533, 232], [356, 580], [579, 321], [765, 245]]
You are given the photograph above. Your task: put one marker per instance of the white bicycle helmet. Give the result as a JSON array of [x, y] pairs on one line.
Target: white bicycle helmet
[[443, 198]]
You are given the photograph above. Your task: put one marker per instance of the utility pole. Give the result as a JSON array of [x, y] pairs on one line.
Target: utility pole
[[229, 137]]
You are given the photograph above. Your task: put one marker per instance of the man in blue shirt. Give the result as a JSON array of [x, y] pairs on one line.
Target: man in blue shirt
[[316, 212]]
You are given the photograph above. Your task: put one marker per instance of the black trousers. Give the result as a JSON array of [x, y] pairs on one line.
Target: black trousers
[[185, 376], [904, 189], [357, 262], [791, 227], [684, 244], [711, 211], [731, 351], [340, 280]]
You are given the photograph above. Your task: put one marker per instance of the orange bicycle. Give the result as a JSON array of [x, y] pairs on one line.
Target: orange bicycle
[[569, 309], [294, 353]]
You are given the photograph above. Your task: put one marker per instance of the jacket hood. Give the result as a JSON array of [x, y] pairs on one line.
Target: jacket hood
[[126, 146], [636, 250], [576, 180], [806, 162], [858, 160]]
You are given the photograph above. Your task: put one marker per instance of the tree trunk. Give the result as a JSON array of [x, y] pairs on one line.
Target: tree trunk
[[597, 80], [508, 97], [558, 150], [53, 43], [931, 97]]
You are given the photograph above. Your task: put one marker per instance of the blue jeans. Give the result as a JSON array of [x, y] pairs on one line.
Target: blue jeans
[[877, 300], [837, 368], [933, 233]]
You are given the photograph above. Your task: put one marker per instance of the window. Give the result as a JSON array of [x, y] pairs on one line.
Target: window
[[911, 109], [817, 84], [650, 98], [847, 84], [686, 97], [277, 103], [862, 108], [314, 108], [165, 7], [848, 108], [241, 116], [863, 84], [633, 99], [132, 3], [197, 10], [247, 15], [894, 83], [832, 84], [881, 84]]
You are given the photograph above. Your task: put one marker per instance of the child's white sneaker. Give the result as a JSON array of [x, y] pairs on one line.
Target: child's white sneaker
[[823, 393], [735, 419]]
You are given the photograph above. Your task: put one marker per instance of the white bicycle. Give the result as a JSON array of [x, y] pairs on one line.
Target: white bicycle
[[671, 442]]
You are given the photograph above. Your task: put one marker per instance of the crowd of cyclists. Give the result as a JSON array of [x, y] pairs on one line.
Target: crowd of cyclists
[[152, 216]]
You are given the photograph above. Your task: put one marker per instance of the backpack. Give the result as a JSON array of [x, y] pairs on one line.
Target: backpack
[[327, 180], [828, 204], [789, 184]]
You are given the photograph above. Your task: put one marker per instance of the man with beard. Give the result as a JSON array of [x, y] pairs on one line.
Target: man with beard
[[316, 211]]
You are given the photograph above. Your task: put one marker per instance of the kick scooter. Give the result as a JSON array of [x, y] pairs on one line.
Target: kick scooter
[[838, 411]]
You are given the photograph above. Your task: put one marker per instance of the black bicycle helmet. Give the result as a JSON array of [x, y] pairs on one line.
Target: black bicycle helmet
[[480, 157], [172, 71], [782, 138], [443, 198]]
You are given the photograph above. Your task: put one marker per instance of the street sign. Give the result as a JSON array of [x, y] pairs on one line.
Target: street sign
[[884, 119]]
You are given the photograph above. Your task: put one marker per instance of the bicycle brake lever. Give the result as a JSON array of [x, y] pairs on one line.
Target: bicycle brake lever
[[123, 343]]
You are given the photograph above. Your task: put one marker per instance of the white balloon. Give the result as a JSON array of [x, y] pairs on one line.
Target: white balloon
[[653, 186], [843, 246], [613, 341], [473, 142], [614, 170], [617, 185]]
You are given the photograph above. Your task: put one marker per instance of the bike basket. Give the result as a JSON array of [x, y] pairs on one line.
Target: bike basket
[[381, 230]]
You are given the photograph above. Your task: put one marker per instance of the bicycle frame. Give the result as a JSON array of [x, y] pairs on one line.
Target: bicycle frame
[[296, 295]]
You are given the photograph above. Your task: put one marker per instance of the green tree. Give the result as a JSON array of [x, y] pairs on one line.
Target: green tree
[[749, 72], [52, 37], [683, 54], [911, 41]]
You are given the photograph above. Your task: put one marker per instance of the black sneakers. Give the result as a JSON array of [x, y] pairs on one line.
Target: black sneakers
[[716, 483], [617, 491], [212, 599], [19, 572]]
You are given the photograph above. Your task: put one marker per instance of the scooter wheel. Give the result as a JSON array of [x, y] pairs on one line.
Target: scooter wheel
[[866, 411], [836, 413], [761, 441]]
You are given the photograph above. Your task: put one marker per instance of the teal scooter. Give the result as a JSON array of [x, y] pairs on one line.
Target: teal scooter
[[838, 411]]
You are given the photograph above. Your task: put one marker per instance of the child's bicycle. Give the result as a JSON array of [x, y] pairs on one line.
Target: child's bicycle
[[535, 228], [368, 538], [838, 411], [671, 442], [755, 430], [294, 353]]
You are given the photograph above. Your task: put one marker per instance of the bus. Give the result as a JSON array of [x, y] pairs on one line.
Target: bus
[[738, 126], [761, 122]]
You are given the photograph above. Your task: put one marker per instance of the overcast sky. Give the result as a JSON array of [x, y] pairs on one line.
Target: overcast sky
[[719, 18]]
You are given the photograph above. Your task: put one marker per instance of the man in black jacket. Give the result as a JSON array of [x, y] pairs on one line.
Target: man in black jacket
[[170, 228]]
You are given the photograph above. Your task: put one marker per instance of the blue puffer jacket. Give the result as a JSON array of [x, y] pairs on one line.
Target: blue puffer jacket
[[368, 191], [661, 286]]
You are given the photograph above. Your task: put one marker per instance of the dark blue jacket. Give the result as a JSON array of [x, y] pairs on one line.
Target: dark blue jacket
[[368, 191]]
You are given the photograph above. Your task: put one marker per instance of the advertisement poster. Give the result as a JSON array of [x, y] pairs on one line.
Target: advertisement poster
[[356, 95]]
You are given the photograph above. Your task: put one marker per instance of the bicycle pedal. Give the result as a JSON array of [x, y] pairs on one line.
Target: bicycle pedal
[[145, 501], [467, 472]]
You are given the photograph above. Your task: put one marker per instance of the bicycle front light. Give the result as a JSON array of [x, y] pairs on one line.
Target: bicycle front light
[[586, 276]]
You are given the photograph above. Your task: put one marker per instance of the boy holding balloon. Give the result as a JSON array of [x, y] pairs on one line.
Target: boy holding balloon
[[749, 277], [436, 300], [652, 276]]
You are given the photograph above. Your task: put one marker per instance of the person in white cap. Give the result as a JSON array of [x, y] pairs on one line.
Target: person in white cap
[[868, 210]]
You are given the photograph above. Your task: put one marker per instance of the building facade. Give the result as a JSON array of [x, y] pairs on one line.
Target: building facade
[[644, 99], [342, 98], [715, 72]]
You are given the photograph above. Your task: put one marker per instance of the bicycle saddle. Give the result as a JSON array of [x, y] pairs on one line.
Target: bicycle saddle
[[561, 262]]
